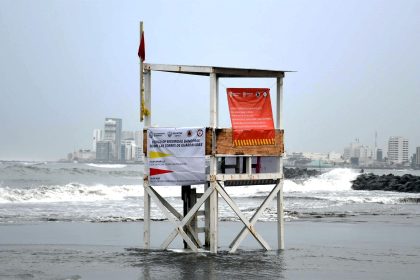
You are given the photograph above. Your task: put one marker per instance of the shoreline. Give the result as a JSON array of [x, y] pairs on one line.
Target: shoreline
[[330, 248]]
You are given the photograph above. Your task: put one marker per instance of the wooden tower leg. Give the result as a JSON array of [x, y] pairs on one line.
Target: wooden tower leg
[[146, 222], [213, 215], [280, 217], [207, 219]]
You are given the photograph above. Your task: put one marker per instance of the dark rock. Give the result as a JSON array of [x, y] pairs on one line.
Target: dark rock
[[299, 173], [410, 200], [405, 183]]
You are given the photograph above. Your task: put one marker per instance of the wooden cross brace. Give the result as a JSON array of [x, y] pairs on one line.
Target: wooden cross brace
[[177, 219], [180, 222], [249, 225]]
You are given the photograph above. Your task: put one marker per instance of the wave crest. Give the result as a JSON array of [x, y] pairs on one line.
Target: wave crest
[[69, 192]]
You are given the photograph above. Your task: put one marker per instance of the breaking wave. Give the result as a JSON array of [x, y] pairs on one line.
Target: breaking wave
[[334, 180], [29, 169], [106, 165], [69, 192], [333, 186]]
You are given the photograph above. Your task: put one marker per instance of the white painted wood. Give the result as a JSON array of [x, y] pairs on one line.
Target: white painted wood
[[213, 200], [197, 205], [280, 218], [254, 176], [185, 220], [279, 103], [248, 162], [182, 69], [220, 71], [148, 97], [214, 235], [167, 204], [177, 215], [146, 205], [241, 216], [146, 219], [214, 101], [280, 204], [242, 234], [172, 219]]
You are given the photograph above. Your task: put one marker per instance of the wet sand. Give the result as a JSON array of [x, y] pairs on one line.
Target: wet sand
[[369, 247]]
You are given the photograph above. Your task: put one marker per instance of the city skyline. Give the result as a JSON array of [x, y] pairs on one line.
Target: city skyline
[[66, 65], [367, 149]]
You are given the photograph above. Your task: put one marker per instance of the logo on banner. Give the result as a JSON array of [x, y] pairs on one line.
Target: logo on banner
[[251, 116]]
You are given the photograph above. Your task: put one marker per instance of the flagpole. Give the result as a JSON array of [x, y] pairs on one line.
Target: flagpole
[[141, 78]]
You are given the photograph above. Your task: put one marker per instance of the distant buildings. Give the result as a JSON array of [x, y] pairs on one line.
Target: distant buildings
[[358, 154], [113, 131], [115, 145], [418, 156], [111, 144], [397, 150], [313, 159]]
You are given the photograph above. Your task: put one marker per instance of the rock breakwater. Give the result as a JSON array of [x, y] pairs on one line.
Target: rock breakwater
[[299, 173], [405, 183]]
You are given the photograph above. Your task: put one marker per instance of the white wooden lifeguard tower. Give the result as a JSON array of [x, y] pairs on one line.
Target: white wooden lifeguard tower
[[219, 146]]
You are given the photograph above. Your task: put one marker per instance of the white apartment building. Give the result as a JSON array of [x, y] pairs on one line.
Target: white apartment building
[[97, 136], [129, 147], [398, 150]]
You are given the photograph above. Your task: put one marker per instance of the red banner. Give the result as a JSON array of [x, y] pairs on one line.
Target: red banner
[[251, 116]]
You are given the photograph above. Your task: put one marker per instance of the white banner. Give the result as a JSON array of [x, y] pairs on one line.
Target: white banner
[[176, 156]]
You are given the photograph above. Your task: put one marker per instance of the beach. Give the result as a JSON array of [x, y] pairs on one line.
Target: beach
[[82, 221], [327, 248]]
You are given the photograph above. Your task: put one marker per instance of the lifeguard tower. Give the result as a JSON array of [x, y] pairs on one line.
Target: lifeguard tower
[[230, 164], [219, 148]]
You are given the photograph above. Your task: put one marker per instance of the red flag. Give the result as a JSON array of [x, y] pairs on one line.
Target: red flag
[[142, 48]]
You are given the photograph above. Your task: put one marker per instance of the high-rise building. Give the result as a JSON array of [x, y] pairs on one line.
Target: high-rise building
[[104, 151], [379, 155], [397, 150], [97, 136], [418, 156], [112, 133]]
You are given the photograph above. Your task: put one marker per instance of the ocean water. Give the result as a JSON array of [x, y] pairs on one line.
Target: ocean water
[[39, 192], [85, 219]]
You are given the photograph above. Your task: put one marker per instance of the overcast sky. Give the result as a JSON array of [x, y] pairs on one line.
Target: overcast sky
[[66, 65]]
